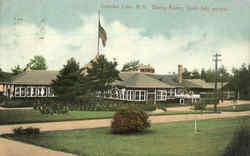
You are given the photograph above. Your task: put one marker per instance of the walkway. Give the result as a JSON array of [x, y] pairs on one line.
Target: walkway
[[15, 148], [189, 108]]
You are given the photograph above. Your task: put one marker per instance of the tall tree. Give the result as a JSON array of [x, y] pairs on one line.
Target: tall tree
[[241, 82], [186, 74], [102, 73], [17, 70], [69, 84], [37, 63], [203, 74], [131, 66]]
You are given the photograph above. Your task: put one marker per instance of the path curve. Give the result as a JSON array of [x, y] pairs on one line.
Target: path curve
[[16, 148]]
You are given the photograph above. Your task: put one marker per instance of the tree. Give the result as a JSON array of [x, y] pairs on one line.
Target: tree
[[195, 74], [37, 63], [69, 84], [186, 74], [240, 81], [16, 70], [203, 74], [102, 74], [131, 66], [4, 76]]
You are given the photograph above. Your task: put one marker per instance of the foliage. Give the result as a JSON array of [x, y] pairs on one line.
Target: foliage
[[131, 66], [241, 81], [201, 105], [2, 98], [93, 104], [186, 74], [17, 70], [26, 131], [208, 75], [128, 120], [68, 86], [37, 63], [240, 143], [17, 103], [102, 73], [4, 76]]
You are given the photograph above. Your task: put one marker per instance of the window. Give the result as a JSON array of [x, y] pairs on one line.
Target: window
[[28, 91], [17, 91], [129, 95], [164, 94], [137, 95], [132, 95], [22, 91], [39, 91], [125, 95], [44, 92], [34, 92], [168, 92], [158, 95], [142, 95]]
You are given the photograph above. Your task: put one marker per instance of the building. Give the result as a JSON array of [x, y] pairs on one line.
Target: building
[[141, 85], [30, 84]]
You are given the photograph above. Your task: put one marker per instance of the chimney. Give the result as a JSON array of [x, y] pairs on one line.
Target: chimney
[[180, 71]]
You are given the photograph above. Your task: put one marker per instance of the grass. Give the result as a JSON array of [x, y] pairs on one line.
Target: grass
[[184, 113], [173, 139], [238, 108], [34, 116]]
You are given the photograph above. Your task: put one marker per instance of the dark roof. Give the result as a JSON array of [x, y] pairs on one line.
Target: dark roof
[[35, 77], [186, 83], [139, 80]]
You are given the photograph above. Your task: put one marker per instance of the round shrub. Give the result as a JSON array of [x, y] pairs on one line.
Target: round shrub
[[240, 143], [128, 120]]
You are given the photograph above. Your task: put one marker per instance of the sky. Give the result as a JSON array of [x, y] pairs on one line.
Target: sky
[[162, 33]]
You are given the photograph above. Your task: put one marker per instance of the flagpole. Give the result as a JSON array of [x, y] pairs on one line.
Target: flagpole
[[98, 39]]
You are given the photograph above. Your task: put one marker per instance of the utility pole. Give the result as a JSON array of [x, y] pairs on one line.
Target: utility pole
[[216, 60]]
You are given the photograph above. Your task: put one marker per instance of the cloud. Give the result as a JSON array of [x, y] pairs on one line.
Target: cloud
[[19, 44]]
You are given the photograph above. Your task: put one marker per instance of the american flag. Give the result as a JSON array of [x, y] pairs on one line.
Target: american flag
[[102, 35]]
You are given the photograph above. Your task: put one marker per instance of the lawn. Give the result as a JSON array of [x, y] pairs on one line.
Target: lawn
[[238, 108], [173, 139], [33, 116]]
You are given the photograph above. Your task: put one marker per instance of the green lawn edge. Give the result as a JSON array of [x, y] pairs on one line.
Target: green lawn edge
[[107, 117]]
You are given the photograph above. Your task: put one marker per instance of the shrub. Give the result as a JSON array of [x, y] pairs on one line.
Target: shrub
[[17, 103], [2, 99], [240, 143], [32, 131], [201, 105], [19, 131], [26, 131], [128, 120]]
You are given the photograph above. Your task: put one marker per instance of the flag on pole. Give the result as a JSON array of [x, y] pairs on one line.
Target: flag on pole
[[102, 35]]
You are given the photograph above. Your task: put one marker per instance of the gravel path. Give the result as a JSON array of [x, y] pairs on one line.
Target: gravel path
[[15, 148]]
